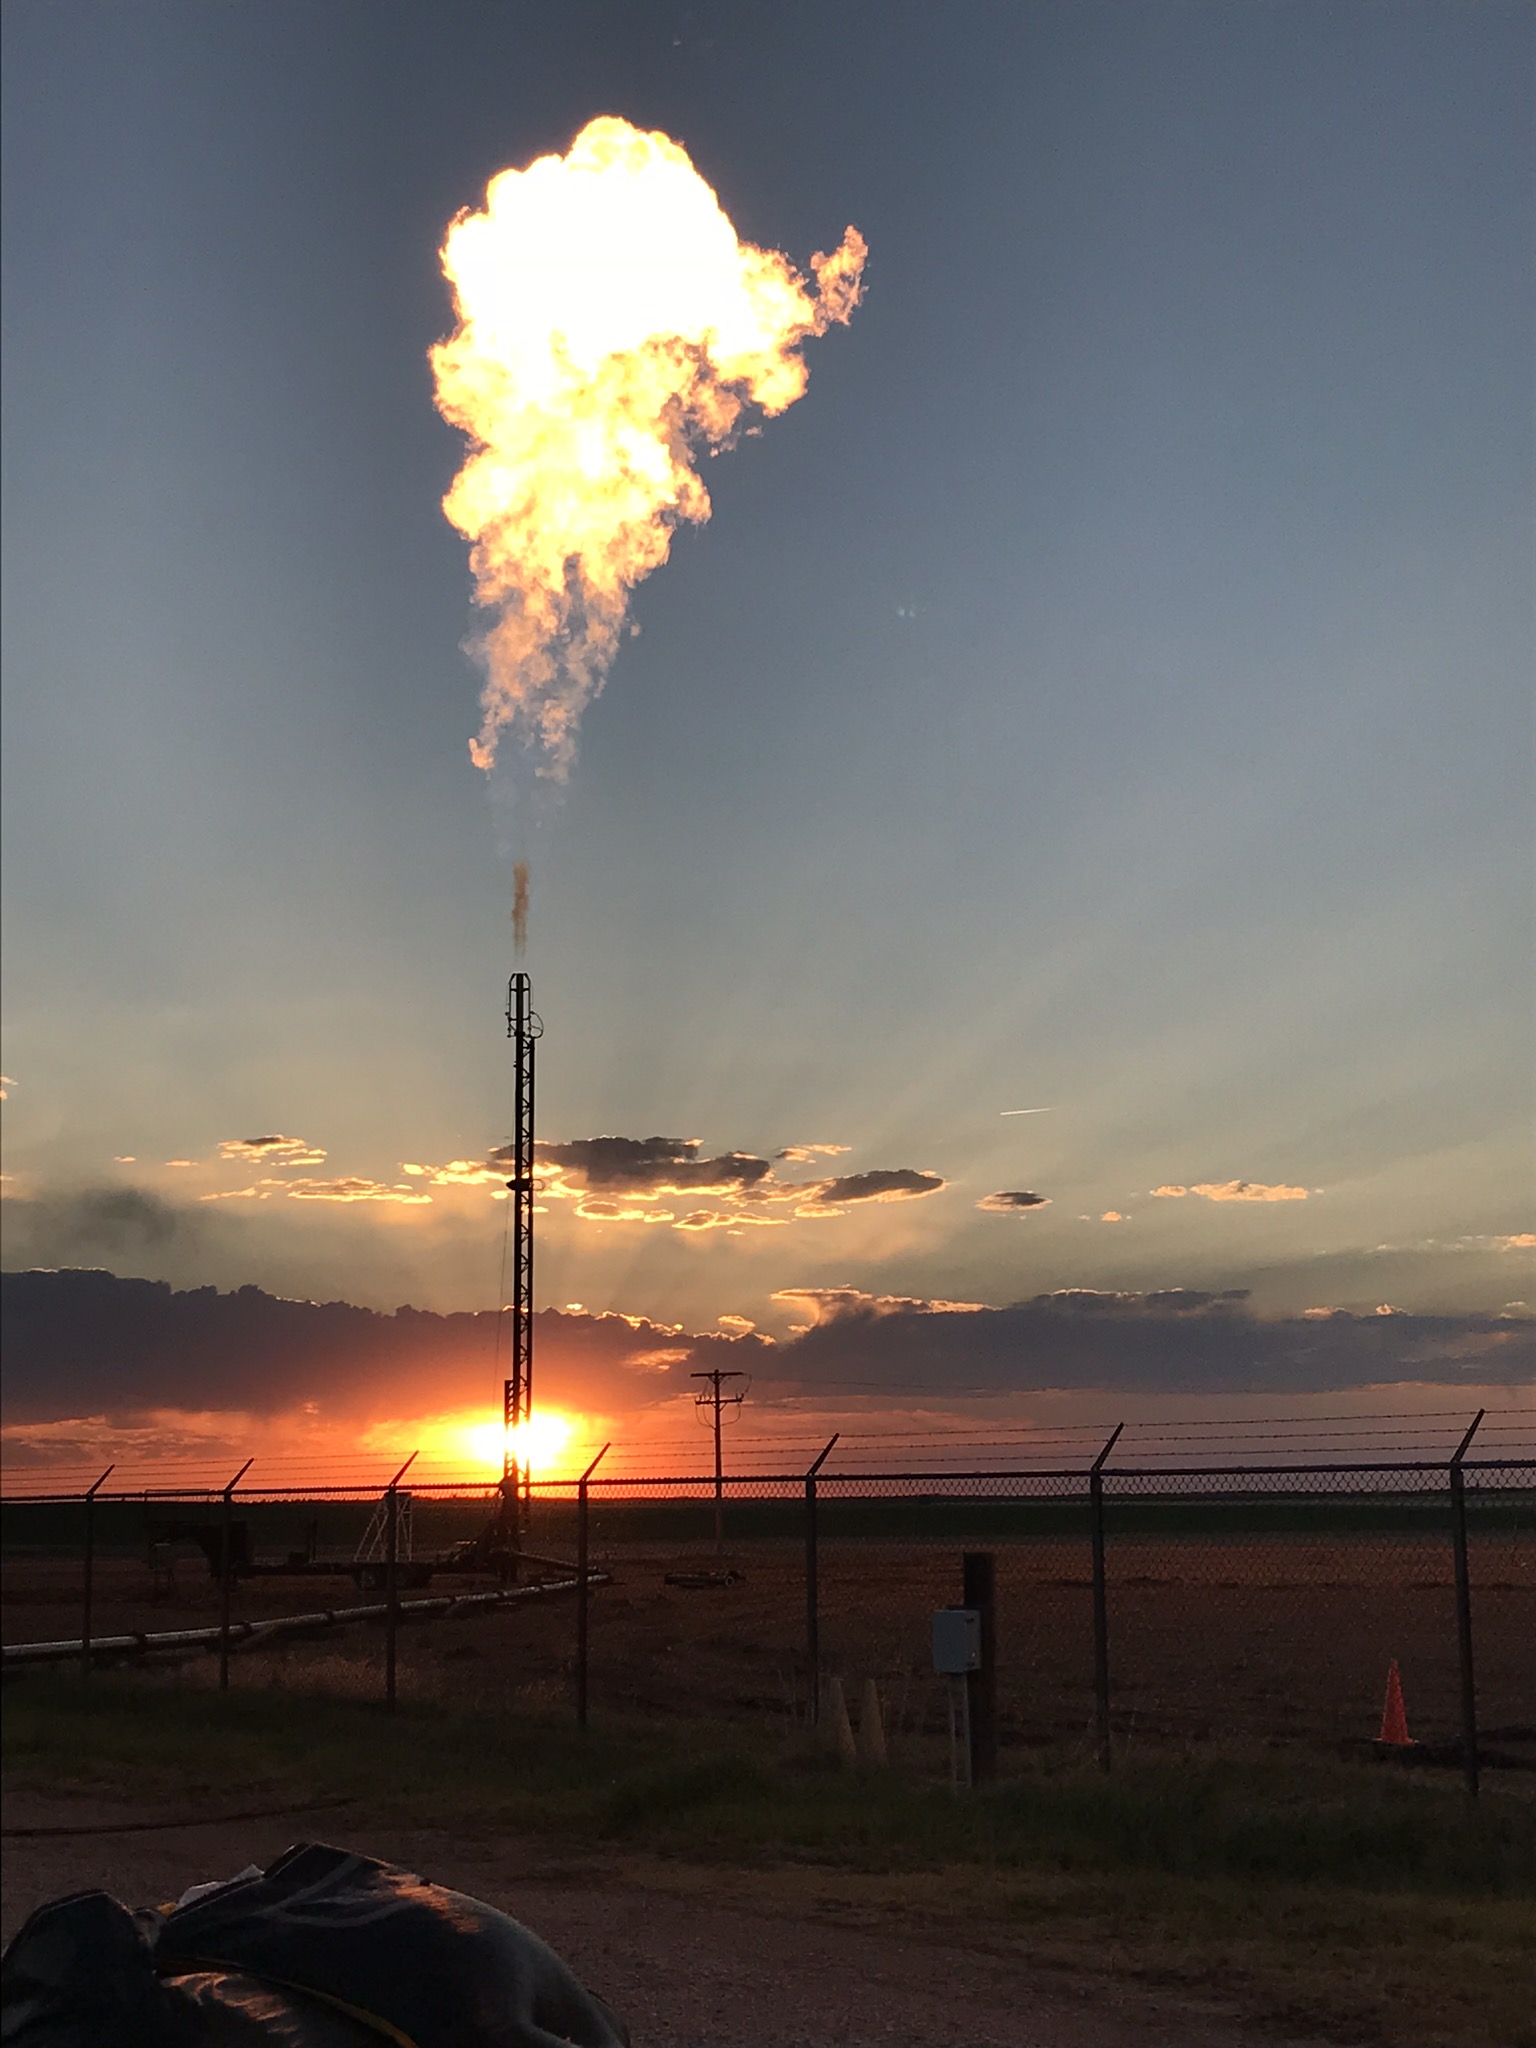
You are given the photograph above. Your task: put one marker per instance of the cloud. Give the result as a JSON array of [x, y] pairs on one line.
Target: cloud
[[1236, 1191], [1518, 1241], [596, 1209], [718, 1219], [457, 1173], [1013, 1202], [1112, 1216], [90, 1224], [738, 1326], [6, 1085], [275, 1150], [1174, 1340], [644, 1167], [181, 1162], [880, 1184], [233, 1195], [838, 1304], [803, 1154], [664, 1359], [1171, 1191], [87, 1353], [85, 1344], [351, 1188], [622, 1170]]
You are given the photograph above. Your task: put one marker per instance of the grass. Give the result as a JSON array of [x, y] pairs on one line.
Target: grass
[[1343, 1898]]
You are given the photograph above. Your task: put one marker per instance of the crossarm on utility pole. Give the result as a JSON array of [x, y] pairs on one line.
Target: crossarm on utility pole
[[713, 1399]]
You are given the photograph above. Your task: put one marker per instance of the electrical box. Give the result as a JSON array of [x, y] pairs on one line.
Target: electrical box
[[957, 1639]]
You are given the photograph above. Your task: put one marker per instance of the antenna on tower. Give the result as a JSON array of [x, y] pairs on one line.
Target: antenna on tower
[[524, 1028]]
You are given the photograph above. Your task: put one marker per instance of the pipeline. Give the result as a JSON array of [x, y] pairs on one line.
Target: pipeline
[[249, 1632]]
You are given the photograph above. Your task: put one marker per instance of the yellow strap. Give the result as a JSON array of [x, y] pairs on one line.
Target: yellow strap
[[376, 2021]]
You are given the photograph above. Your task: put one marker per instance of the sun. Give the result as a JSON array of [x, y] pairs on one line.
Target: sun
[[536, 1443]]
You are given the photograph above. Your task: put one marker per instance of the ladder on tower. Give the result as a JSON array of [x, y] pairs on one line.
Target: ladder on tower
[[374, 1548]]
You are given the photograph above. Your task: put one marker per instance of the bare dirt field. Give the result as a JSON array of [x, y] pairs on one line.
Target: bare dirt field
[[1257, 1640], [1256, 1643]]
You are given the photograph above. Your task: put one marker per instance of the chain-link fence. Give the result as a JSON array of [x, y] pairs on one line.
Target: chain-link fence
[[891, 1551], [1129, 1610], [1269, 1606], [705, 1615]]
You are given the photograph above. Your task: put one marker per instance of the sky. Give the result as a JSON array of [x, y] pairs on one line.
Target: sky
[[1106, 693]]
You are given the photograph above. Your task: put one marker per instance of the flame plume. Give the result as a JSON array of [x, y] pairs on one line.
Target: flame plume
[[611, 329]]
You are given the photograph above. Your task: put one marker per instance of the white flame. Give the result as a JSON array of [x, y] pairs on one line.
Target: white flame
[[611, 328]]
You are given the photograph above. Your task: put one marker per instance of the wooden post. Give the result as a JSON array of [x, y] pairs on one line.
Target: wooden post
[[979, 1590]]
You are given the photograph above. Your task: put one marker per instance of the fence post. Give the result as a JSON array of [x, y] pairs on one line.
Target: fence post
[[1464, 1610], [1100, 1601], [226, 1571], [582, 1588], [392, 1577], [90, 1569], [813, 1585], [978, 1589]]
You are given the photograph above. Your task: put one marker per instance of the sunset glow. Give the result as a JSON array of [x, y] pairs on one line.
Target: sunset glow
[[1006, 742], [480, 1439]]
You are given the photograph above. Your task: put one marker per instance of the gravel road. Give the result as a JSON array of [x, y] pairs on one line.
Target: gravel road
[[688, 1959]]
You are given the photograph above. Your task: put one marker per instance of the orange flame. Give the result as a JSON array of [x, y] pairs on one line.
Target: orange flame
[[611, 328]]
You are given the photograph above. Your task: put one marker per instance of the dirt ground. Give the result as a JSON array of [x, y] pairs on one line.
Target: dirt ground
[[1255, 1640], [689, 1959], [1261, 1640]]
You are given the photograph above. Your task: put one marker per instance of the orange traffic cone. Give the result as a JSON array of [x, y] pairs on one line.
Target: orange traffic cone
[[1394, 1719]]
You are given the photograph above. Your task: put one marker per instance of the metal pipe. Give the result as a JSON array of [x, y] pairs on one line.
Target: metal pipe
[[582, 1584], [90, 1571], [813, 1582], [1100, 1600], [1469, 1757], [436, 1608], [392, 1577]]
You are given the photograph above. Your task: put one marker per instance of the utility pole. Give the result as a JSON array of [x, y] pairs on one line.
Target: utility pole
[[714, 1399]]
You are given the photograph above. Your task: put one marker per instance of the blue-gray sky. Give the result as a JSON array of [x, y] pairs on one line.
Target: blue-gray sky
[[1108, 691]]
